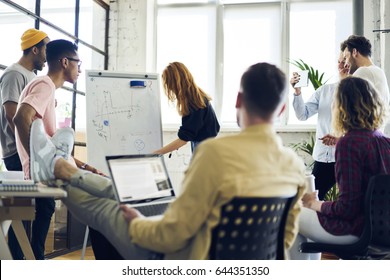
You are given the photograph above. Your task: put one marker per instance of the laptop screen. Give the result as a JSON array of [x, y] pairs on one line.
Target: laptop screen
[[139, 178]]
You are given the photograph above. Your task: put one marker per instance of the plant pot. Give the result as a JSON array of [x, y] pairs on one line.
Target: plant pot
[[66, 122]]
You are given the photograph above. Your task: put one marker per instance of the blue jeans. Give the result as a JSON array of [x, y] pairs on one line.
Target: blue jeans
[[44, 209]]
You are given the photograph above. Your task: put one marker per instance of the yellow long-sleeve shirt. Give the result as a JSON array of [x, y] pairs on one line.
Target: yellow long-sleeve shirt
[[251, 163]]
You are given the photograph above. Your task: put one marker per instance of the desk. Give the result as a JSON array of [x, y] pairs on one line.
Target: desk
[[16, 207]]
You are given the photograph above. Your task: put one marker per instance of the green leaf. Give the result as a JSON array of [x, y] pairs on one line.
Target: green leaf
[[332, 194], [314, 76]]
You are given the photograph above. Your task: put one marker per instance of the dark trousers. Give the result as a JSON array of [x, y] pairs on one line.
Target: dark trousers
[[44, 209], [325, 177], [194, 144], [13, 163], [102, 248]]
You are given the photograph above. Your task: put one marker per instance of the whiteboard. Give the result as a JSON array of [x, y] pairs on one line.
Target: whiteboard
[[123, 115]]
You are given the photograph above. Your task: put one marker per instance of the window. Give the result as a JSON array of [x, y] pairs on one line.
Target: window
[[192, 42], [59, 13], [12, 25], [218, 40], [249, 36], [328, 23], [60, 21]]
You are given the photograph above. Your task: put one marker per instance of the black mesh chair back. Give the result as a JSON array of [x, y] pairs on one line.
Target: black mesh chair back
[[374, 242], [251, 228], [379, 210]]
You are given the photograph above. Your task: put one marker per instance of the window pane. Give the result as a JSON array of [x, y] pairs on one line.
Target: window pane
[[60, 13], [54, 34], [12, 26], [64, 107], [180, 1], [191, 42], [316, 31], [246, 1], [91, 60], [92, 25], [27, 4], [81, 118], [250, 36]]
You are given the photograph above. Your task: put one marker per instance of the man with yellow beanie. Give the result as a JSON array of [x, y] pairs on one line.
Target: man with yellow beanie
[[12, 82]]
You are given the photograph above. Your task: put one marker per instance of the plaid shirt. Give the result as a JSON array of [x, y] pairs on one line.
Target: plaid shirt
[[360, 154]]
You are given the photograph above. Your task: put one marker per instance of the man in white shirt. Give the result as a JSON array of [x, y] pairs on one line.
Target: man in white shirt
[[357, 55]]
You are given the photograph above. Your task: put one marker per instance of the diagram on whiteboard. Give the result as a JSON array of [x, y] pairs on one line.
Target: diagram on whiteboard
[[123, 116]]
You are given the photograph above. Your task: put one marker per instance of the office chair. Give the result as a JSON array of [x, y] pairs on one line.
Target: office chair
[[251, 228], [374, 242]]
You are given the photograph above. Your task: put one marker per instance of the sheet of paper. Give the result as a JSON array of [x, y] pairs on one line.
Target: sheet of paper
[[304, 79]]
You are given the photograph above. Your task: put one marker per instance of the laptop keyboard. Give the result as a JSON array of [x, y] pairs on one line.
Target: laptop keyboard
[[152, 210]]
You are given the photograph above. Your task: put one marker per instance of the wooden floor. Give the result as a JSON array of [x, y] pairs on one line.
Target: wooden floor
[[76, 255]]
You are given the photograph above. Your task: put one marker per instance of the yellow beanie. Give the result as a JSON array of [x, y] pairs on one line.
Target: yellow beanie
[[31, 37]]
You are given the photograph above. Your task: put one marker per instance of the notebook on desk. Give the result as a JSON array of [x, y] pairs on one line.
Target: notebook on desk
[[16, 185], [142, 182]]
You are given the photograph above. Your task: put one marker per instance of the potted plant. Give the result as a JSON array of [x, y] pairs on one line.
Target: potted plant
[[305, 147], [65, 115]]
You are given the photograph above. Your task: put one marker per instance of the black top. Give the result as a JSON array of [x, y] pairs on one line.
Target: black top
[[199, 125]]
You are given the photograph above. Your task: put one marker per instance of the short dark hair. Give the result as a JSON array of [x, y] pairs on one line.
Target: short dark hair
[[360, 43], [263, 87], [39, 45], [58, 49], [343, 45]]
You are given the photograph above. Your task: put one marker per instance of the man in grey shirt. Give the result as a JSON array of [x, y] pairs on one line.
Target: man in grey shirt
[[12, 82]]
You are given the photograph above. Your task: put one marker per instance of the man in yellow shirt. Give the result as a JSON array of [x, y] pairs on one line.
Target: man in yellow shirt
[[251, 163]]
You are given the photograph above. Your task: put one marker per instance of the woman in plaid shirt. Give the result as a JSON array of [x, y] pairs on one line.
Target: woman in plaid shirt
[[362, 151]]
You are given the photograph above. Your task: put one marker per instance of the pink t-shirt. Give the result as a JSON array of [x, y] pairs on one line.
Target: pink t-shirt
[[39, 94]]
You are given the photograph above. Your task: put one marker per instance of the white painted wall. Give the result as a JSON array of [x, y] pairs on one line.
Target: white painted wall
[[127, 35], [377, 16]]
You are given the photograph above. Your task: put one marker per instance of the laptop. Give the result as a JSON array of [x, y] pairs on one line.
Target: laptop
[[142, 182]]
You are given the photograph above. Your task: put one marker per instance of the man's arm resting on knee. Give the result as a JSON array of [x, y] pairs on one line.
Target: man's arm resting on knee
[[23, 120]]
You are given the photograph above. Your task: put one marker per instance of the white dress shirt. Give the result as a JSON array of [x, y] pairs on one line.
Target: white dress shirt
[[320, 102]]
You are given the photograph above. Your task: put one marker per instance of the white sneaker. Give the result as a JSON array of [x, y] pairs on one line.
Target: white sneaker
[[42, 153], [63, 139]]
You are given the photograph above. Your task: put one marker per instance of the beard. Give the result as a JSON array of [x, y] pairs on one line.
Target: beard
[[39, 65], [352, 66]]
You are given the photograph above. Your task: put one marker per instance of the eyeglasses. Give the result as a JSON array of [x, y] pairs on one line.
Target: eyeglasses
[[79, 62]]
